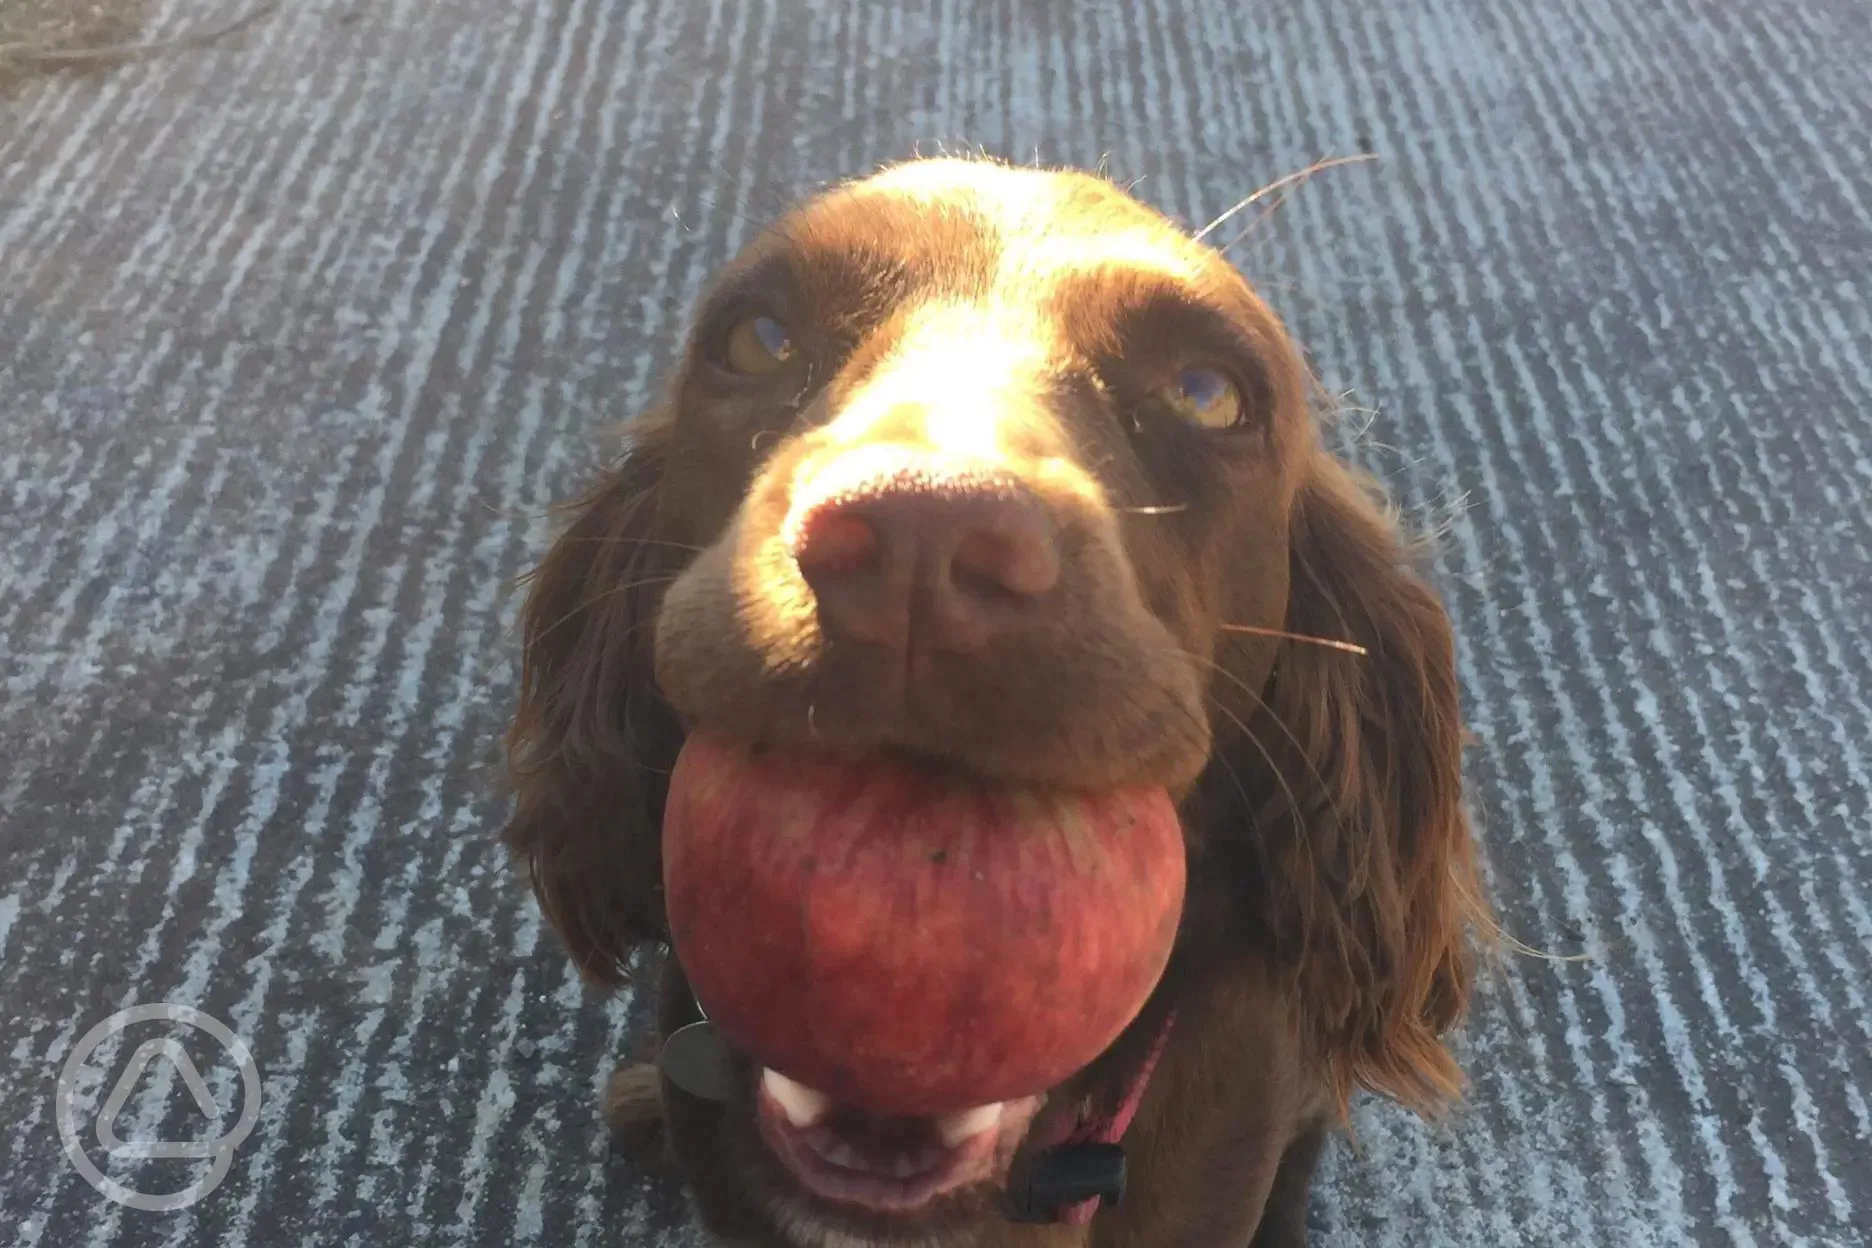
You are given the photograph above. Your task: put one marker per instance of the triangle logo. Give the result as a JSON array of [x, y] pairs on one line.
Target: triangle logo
[[147, 1054]]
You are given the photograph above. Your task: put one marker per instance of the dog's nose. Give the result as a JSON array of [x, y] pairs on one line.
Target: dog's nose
[[900, 543]]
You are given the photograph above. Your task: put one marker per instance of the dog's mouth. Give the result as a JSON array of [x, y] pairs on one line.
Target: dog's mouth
[[887, 1163]]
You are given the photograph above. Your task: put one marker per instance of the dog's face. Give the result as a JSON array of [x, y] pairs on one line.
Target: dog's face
[[1061, 432], [998, 468]]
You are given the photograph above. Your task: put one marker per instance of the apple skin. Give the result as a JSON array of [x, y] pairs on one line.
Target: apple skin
[[910, 941]]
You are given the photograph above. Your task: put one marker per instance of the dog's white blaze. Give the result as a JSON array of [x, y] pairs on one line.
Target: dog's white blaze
[[953, 378]]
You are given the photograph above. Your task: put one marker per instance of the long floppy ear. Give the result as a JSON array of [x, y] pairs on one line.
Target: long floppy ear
[[1371, 866], [592, 742]]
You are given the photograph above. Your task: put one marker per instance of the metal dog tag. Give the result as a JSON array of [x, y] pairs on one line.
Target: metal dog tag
[[696, 1059]]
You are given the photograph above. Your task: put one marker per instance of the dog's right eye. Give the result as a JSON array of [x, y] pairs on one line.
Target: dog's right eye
[[1206, 397], [756, 345]]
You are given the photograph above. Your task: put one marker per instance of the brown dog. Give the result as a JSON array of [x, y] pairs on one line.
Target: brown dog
[[1097, 540]]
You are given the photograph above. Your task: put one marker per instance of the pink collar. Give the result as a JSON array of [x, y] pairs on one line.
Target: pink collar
[[1097, 1139]]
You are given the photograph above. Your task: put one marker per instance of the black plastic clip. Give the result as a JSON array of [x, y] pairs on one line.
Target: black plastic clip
[[697, 1059], [1066, 1176]]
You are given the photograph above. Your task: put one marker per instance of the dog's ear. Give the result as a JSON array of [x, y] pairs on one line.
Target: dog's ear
[[1363, 847], [592, 742]]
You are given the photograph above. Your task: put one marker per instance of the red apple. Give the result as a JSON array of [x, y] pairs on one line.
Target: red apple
[[911, 941]]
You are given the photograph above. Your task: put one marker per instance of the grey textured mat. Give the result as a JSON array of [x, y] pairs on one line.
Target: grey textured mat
[[298, 336]]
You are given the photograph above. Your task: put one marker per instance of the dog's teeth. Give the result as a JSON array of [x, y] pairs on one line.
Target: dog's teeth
[[958, 1127], [802, 1104], [839, 1153], [905, 1167]]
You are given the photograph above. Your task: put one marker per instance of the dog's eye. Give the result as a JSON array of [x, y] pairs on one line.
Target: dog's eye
[[1205, 396], [757, 345]]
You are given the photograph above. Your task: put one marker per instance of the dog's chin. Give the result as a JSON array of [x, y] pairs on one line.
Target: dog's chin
[[852, 1177]]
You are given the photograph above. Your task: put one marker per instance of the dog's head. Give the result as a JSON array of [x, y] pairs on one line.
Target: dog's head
[[997, 466]]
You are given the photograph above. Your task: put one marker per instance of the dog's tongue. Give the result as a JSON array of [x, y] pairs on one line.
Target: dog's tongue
[[908, 942]]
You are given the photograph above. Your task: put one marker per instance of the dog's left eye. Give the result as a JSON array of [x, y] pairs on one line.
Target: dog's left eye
[[1206, 396], [757, 345]]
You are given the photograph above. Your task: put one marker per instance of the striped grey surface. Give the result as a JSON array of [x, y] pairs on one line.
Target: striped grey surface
[[298, 337]]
